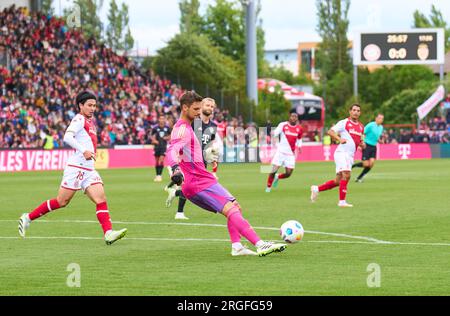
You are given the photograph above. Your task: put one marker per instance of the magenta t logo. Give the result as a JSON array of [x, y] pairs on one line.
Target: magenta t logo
[[404, 150], [327, 152]]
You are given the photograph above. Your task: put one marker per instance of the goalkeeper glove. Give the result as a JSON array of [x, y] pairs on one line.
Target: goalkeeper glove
[[211, 154], [177, 177]]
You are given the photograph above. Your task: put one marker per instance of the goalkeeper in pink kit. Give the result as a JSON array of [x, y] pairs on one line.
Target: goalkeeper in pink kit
[[184, 155]]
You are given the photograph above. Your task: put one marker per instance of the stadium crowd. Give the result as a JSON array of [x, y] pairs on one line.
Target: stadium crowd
[[43, 64], [434, 131], [49, 64]]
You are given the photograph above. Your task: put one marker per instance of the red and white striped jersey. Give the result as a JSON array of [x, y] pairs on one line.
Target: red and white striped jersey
[[290, 137], [221, 128], [85, 134], [350, 131]]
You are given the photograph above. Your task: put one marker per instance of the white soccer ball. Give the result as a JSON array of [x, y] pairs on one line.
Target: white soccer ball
[[292, 231]]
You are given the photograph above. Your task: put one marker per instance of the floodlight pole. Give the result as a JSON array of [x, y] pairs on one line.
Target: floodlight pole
[[355, 81], [250, 50]]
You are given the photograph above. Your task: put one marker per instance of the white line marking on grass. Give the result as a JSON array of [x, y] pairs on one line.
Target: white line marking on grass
[[226, 240], [350, 236], [368, 240], [128, 238], [208, 225]]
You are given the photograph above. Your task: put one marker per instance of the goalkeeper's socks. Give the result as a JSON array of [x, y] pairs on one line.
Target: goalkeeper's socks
[[236, 220]]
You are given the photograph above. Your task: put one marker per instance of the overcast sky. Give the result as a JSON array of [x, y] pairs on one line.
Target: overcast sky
[[285, 22]]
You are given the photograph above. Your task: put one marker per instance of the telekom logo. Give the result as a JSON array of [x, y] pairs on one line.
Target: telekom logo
[[327, 152], [404, 151]]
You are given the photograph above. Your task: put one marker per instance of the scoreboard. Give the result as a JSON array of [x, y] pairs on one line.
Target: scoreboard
[[413, 46]]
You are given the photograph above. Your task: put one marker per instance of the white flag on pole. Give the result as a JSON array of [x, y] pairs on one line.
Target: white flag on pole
[[429, 104]]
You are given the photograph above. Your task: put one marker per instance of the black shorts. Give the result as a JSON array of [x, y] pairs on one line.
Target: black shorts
[[369, 152], [160, 152]]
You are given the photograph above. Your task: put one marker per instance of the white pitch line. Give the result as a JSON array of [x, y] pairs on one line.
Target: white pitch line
[[207, 225], [128, 238], [226, 240], [368, 240], [351, 236], [171, 239]]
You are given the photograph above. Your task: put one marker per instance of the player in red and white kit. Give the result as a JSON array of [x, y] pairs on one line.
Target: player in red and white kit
[[349, 134], [79, 173], [290, 133]]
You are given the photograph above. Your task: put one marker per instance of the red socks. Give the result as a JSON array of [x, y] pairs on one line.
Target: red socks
[[270, 180], [343, 189], [44, 208], [51, 205], [103, 216], [331, 184], [327, 186]]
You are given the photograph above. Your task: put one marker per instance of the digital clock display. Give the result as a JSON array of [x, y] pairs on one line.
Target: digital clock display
[[418, 46]]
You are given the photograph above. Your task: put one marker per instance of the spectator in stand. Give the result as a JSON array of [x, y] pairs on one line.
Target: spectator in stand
[[447, 99], [434, 137], [441, 125], [405, 136], [446, 138], [389, 137], [47, 140]]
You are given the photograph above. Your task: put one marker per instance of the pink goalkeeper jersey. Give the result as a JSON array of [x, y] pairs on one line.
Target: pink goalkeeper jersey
[[185, 150]]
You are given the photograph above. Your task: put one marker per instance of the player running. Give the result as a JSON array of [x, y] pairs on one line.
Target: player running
[[372, 133], [290, 133], [201, 187], [79, 173], [206, 132], [160, 137], [349, 134]]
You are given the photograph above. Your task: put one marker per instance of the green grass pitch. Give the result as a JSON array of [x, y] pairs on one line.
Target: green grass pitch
[[400, 222]]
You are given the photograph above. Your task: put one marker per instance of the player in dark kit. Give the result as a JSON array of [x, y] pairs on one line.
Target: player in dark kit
[[205, 130], [160, 137]]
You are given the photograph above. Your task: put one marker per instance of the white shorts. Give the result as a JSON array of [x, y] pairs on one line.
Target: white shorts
[[344, 161], [77, 178], [280, 159]]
